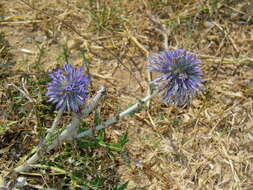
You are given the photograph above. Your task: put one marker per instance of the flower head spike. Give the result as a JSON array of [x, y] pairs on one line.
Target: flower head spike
[[180, 78], [68, 88]]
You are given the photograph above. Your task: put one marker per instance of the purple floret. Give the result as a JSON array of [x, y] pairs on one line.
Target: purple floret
[[180, 78], [68, 88]]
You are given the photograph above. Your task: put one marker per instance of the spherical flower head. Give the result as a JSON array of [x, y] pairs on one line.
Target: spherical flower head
[[180, 78], [68, 88]]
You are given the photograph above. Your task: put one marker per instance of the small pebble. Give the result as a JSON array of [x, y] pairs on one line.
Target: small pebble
[[21, 181], [40, 39]]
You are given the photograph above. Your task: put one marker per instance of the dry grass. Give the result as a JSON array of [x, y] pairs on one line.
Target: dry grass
[[206, 146]]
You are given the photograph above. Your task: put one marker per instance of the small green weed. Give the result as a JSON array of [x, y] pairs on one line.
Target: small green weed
[[89, 164], [105, 18]]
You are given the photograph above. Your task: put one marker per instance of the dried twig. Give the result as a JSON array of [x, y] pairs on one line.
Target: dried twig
[[149, 76], [22, 92], [160, 28], [228, 36]]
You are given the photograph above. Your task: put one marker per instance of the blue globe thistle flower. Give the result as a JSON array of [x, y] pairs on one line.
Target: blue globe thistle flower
[[180, 78], [68, 88]]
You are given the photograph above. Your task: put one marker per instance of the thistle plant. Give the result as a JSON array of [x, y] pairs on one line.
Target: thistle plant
[[68, 88], [179, 81], [180, 77]]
